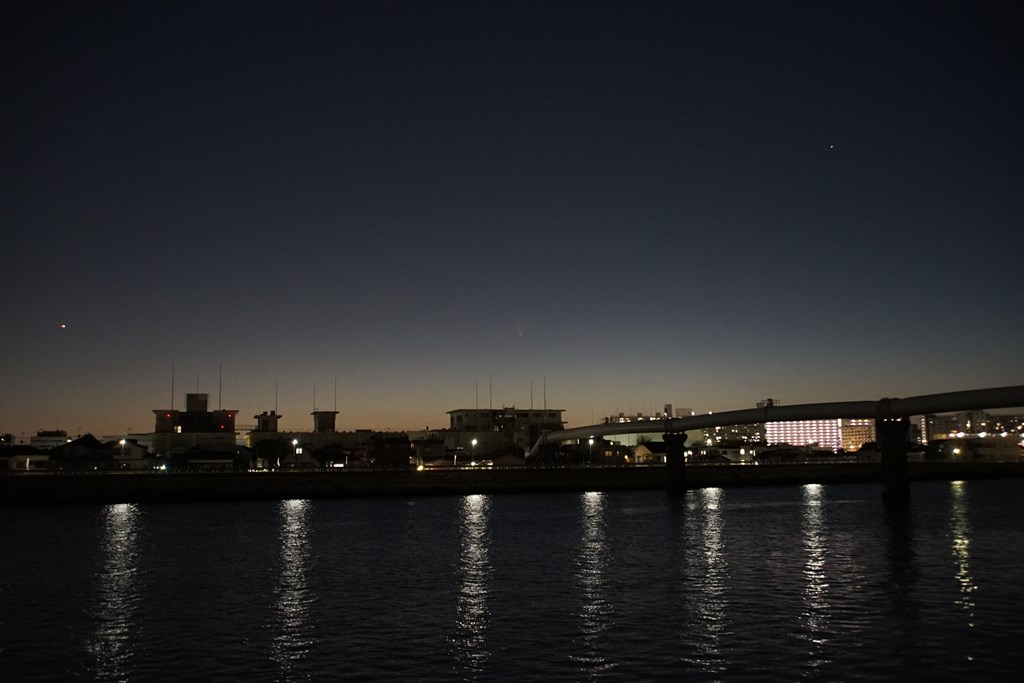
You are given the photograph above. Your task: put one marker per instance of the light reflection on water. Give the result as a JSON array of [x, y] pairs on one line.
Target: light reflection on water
[[960, 529], [712, 603], [815, 541], [474, 571], [782, 584], [293, 632], [112, 643], [595, 610]]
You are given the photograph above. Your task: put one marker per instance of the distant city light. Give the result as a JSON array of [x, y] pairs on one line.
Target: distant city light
[[848, 434]]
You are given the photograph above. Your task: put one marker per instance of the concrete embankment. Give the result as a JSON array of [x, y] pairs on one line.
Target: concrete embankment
[[57, 489]]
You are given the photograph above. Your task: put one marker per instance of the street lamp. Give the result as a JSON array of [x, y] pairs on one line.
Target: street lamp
[[473, 443], [590, 457]]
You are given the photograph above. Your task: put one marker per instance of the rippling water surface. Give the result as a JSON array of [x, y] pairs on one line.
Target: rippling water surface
[[789, 583]]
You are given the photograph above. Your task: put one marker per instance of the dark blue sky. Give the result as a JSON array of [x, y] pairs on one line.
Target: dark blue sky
[[702, 203]]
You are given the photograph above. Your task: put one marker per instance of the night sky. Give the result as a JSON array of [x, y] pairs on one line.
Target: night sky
[[636, 203]]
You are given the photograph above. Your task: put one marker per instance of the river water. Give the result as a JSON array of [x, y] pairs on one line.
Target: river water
[[784, 583]]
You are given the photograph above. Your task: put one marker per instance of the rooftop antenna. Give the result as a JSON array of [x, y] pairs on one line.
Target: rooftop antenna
[[275, 395], [314, 396], [197, 381], [490, 392], [335, 394], [545, 393], [476, 385], [172, 385], [220, 383], [531, 394]]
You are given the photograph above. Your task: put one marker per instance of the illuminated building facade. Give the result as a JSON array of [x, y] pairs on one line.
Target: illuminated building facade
[[958, 425], [837, 434]]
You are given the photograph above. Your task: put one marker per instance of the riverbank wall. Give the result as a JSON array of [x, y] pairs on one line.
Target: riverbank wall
[[76, 489]]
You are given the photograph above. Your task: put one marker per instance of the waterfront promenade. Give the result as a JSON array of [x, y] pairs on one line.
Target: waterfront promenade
[[58, 489]]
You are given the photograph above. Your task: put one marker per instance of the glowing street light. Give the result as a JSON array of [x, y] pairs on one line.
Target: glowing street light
[[473, 443], [590, 456]]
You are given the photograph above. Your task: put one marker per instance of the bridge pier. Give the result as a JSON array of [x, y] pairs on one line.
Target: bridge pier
[[892, 437], [675, 462]]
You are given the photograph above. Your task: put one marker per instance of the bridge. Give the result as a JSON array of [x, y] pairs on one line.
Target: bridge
[[891, 416]]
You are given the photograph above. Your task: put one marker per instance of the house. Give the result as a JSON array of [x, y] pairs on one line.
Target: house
[[129, 455], [650, 453], [85, 453]]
